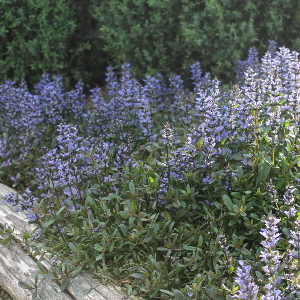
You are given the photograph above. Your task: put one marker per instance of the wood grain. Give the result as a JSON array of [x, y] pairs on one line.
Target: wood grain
[[17, 265]]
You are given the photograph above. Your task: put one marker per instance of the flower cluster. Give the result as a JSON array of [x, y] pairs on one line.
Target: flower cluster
[[158, 173], [247, 287]]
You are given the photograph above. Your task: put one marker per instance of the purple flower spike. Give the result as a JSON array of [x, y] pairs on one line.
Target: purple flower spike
[[289, 200], [271, 257], [168, 135], [247, 287]]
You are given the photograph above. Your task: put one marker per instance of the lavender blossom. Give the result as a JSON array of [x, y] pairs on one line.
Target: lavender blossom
[[168, 135], [62, 169], [272, 193], [252, 90], [111, 82], [155, 90], [183, 160], [223, 242], [13, 199], [292, 259], [247, 287], [75, 103], [196, 75], [272, 48], [208, 113], [123, 155], [271, 257], [144, 115], [163, 190], [181, 104], [98, 118], [51, 95], [295, 240], [252, 61], [272, 293], [289, 201], [27, 203], [125, 107], [209, 152], [21, 115]]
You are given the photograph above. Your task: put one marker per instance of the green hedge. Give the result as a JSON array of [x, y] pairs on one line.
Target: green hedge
[[40, 36], [168, 36], [34, 37], [79, 39]]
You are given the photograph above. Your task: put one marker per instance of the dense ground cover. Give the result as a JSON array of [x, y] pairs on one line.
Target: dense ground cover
[[174, 194]]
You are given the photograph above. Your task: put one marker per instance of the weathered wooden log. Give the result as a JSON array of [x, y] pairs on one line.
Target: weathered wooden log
[[17, 265]]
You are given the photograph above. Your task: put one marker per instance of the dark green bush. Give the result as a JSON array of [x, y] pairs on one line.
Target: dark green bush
[[34, 37], [87, 63], [168, 36], [38, 36], [78, 39]]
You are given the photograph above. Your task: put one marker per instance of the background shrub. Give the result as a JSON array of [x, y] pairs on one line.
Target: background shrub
[[43, 36], [79, 40], [168, 36]]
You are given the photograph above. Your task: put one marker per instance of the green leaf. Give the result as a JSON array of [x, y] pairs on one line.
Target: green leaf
[[76, 271], [288, 146], [200, 241], [22, 285], [40, 266], [245, 252], [286, 232], [60, 210], [213, 292], [49, 276], [167, 292], [238, 157], [180, 213], [254, 216], [114, 196], [259, 275], [232, 222], [72, 247], [99, 257], [189, 247], [47, 224], [4, 242], [228, 202], [162, 249], [152, 295], [151, 180], [264, 168], [147, 239], [178, 295], [123, 230], [137, 275], [30, 156], [131, 188], [64, 283]]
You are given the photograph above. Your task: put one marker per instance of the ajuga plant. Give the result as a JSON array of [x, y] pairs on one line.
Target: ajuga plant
[[28, 122], [177, 194]]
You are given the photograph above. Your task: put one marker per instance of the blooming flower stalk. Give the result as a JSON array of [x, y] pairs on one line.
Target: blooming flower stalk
[[247, 288], [271, 257]]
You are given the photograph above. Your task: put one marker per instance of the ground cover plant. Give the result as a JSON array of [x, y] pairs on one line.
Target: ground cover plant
[[173, 194]]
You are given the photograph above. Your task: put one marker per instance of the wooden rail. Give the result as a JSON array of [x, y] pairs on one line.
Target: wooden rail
[[17, 265]]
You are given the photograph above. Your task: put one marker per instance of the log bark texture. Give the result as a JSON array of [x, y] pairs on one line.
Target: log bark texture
[[17, 265]]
